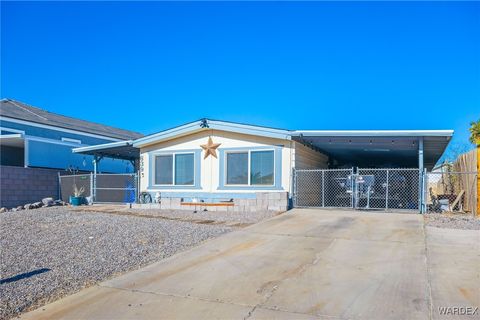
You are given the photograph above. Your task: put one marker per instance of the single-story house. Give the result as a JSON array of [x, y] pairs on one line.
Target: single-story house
[[36, 145], [252, 167]]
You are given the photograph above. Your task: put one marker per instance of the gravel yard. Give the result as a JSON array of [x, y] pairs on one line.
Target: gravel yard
[[452, 221], [52, 252]]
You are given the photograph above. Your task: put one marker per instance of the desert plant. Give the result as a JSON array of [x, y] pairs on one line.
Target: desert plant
[[78, 192]]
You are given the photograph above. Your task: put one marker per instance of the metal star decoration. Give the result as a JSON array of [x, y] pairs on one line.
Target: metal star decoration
[[210, 148]]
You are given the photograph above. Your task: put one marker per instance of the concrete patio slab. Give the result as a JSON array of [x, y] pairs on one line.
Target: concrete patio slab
[[454, 269], [305, 264]]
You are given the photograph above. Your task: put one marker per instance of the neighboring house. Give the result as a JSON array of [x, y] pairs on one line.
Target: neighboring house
[[33, 137], [37, 144], [215, 161]]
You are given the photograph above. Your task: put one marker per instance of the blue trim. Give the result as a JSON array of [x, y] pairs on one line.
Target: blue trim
[[205, 195], [198, 169], [278, 169]]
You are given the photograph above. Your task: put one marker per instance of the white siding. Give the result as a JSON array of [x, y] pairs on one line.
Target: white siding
[[210, 166]]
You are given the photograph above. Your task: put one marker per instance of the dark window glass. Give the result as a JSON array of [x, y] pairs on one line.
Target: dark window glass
[[237, 168], [184, 169], [164, 169], [261, 168]]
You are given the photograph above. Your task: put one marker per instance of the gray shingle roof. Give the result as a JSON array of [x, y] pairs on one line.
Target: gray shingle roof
[[19, 110]]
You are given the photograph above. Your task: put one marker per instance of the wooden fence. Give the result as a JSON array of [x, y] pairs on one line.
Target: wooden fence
[[467, 162]]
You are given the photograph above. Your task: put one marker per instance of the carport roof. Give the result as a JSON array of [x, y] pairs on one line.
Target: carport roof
[[377, 147], [355, 147]]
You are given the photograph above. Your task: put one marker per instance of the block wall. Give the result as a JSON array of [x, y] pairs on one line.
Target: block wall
[[264, 201], [20, 185]]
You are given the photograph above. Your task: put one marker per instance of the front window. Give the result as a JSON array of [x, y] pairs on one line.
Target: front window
[[261, 168], [184, 169], [254, 168], [237, 168], [174, 169]]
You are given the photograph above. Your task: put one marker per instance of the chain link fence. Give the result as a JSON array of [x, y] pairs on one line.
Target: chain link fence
[[115, 188], [323, 188], [68, 184], [364, 189], [451, 192], [101, 188]]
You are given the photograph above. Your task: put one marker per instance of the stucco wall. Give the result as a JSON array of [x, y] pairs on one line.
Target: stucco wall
[[210, 167], [307, 158]]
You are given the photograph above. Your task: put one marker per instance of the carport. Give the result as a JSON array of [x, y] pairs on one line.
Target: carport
[[382, 169], [378, 149], [105, 187]]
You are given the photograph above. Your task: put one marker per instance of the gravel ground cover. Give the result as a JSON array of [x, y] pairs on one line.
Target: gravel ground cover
[[52, 252], [452, 221]]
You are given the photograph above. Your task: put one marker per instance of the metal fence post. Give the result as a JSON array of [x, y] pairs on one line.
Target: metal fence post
[[294, 198], [91, 187], [354, 189], [323, 188], [136, 188], [386, 192], [59, 186], [94, 187]]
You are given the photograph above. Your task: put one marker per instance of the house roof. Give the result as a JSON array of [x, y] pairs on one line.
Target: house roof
[[399, 146], [208, 124], [21, 111]]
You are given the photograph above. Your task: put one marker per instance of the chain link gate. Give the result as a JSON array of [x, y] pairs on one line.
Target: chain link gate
[[366, 189], [101, 187], [388, 189]]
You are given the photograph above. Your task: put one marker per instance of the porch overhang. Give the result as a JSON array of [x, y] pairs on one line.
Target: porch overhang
[[117, 150], [16, 140]]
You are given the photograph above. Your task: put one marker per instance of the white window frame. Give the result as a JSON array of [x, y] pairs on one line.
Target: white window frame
[[249, 173], [173, 154], [71, 140]]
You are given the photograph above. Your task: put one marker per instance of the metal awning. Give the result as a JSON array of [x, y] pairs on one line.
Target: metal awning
[[383, 148], [16, 140], [117, 150]]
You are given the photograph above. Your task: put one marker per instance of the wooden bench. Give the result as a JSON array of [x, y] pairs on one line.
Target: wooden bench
[[208, 204]]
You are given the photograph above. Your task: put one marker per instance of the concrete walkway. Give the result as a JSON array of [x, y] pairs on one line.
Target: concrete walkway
[[305, 264]]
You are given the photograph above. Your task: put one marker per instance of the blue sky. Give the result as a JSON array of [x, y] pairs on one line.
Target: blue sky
[[311, 65]]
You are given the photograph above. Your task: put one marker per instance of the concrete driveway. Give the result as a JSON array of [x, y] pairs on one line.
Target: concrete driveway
[[305, 264]]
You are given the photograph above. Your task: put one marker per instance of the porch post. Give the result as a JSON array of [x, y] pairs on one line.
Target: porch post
[[421, 177], [96, 160]]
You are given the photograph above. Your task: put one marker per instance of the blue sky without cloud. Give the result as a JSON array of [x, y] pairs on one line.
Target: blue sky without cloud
[[148, 66]]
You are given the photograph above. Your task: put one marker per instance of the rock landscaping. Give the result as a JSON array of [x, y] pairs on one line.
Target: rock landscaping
[[452, 221], [46, 202], [54, 251]]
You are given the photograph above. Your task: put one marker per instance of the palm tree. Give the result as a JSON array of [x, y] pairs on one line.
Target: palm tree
[[474, 132]]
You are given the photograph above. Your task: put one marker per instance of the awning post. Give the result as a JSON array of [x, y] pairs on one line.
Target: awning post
[[96, 160]]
